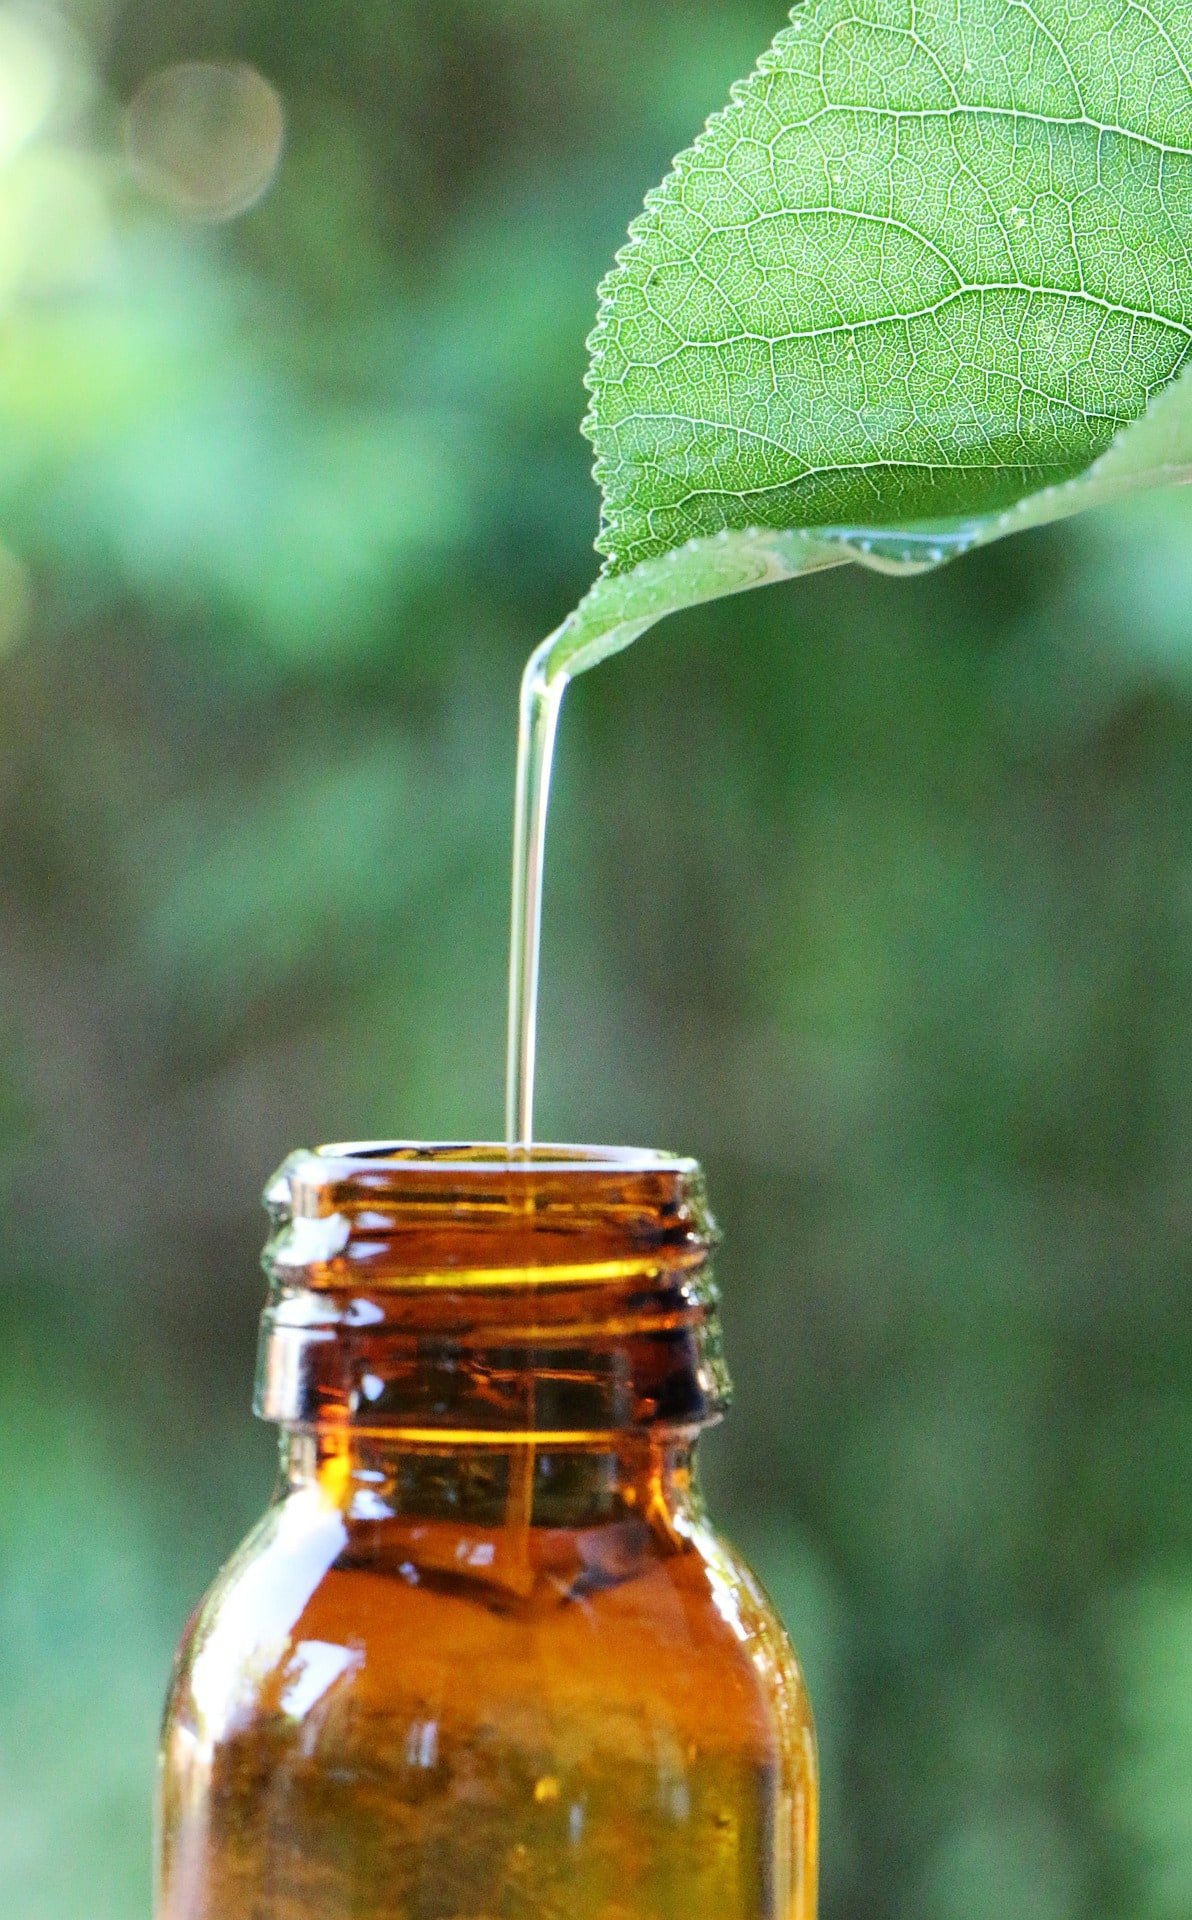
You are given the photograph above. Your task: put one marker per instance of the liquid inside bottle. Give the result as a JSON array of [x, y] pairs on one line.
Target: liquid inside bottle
[[485, 1658]]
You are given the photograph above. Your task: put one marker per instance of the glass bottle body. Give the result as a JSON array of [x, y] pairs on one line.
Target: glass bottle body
[[472, 1670]]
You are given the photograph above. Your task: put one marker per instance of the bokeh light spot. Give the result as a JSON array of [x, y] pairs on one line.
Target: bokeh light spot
[[206, 137]]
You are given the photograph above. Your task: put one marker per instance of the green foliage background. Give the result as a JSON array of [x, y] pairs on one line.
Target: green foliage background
[[876, 895]]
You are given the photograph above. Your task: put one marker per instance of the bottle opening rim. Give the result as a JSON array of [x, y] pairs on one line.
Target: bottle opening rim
[[423, 1212], [482, 1156]]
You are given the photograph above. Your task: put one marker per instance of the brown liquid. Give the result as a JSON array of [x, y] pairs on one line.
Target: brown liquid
[[484, 1658], [593, 1725]]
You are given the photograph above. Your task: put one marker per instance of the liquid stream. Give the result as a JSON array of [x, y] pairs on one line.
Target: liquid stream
[[542, 690]]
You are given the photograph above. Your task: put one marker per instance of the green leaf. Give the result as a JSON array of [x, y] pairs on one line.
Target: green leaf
[[924, 282]]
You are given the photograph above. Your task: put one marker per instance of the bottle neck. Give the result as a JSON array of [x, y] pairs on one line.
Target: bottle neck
[[374, 1477]]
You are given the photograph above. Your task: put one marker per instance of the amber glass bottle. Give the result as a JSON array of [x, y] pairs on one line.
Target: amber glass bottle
[[484, 1658]]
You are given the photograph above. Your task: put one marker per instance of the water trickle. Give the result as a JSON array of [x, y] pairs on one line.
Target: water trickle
[[542, 689]]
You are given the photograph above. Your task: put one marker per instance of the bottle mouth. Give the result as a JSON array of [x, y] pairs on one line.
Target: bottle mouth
[[404, 1213], [475, 1156], [458, 1286]]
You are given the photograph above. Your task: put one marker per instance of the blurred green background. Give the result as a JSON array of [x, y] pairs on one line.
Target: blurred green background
[[878, 896]]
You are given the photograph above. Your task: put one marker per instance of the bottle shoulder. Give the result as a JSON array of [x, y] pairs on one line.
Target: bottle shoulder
[[316, 1614]]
